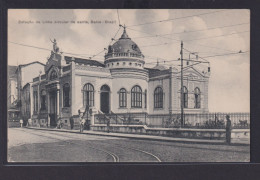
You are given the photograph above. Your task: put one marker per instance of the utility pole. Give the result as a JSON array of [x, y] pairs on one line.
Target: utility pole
[[182, 99]]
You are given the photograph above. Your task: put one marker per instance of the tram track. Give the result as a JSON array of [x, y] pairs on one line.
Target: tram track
[[116, 159], [113, 155]]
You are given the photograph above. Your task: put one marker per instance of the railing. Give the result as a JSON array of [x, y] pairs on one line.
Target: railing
[[109, 55], [123, 119], [202, 120]]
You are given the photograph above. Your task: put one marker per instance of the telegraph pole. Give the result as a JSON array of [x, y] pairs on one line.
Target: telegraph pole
[[182, 99]]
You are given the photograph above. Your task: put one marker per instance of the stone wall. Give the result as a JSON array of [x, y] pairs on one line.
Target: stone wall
[[212, 134]]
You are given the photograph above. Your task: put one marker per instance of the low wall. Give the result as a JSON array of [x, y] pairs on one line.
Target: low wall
[[12, 124], [216, 134]]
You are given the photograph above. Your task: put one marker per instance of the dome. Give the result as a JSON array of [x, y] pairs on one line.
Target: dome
[[125, 45]]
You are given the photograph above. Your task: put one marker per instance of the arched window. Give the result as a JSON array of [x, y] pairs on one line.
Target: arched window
[[66, 95], [185, 97], [43, 100], [136, 97], [197, 98], [158, 97], [88, 95], [53, 75], [122, 98]]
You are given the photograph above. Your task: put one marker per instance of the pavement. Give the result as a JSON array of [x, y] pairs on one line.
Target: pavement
[[145, 137]]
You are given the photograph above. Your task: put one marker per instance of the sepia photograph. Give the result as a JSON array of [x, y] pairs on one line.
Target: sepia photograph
[[128, 85]]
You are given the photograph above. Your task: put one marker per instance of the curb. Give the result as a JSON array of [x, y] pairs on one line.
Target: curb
[[160, 138]]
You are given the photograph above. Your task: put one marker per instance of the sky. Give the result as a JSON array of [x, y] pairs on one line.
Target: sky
[[158, 33]]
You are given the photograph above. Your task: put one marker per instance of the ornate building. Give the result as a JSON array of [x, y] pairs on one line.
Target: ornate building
[[119, 85]]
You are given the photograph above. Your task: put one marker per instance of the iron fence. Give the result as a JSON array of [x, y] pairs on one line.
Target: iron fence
[[199, 120]]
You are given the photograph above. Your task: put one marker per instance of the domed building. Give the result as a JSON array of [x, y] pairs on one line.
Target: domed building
[[121, 88]]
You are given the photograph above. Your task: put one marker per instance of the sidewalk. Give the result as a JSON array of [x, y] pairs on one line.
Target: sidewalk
[[143, 137]]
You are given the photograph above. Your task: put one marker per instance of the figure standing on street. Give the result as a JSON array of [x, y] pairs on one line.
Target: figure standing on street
[[82, 121], [228, 130], [21, 123]]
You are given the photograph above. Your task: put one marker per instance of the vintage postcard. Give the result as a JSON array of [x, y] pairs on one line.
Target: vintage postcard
[[119, 85]]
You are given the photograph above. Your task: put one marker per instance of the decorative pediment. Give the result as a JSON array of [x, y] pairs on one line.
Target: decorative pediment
[[52, 61]]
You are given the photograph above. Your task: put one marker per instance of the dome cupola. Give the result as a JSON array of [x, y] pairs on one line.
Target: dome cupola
[[124, 53]]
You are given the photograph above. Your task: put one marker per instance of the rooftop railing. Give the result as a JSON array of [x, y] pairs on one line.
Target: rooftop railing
[[110, 55]]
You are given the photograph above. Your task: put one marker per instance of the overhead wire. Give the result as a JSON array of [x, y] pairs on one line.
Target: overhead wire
[[174, 18], [220, 27]]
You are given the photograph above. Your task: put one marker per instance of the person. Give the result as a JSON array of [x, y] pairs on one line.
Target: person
[[71, 122], [82, 121], [228, 130], [29, 123], [108, 125], [21, 123], [59, 124]]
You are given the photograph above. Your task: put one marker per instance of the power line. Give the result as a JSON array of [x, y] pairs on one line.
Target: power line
[[48, 49], [196, 40], [224, 54], [192, 31], [217, 36], [174, 18], [153, 34], [118, 17], [112, 39]]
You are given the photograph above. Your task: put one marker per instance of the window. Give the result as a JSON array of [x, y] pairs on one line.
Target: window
[[66, 95], [122, 98], [197, 98], [136, 97], [185, 97], [158, 98], [35, 101], [43, 100], [53, 75], [88, 95]]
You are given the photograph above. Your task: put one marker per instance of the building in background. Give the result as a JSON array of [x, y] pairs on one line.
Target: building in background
[[120, 85], [12, 96]]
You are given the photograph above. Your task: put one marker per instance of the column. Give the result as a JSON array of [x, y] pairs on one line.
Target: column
[[48, 102], [58, 102]]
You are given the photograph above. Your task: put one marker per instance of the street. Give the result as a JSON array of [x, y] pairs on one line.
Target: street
[[29, 145]]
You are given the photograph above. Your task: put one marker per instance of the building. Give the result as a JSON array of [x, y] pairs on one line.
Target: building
[[12, 96], [120, 85]]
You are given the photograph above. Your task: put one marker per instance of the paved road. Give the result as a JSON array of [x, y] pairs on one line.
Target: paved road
[[29, 145]]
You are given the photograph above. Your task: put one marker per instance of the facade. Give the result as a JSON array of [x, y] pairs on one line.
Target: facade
[[12, 96], [120, 85]]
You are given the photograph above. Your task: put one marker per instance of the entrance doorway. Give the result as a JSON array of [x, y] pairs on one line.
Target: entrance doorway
[[105, 99], [53, 108]]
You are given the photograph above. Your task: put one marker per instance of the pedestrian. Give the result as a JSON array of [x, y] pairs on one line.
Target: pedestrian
[[71, 122], [59, 124], [29, 122], [21, 123], [82, 121], [228, 130]]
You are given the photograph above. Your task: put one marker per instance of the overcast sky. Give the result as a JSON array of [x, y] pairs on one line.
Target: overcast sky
[[229, 88]]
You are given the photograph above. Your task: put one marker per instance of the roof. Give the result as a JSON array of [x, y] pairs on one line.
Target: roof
[[84, 61], [124, 45], [11, 71], [157, 72], [24, 65], [160, 67]]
